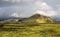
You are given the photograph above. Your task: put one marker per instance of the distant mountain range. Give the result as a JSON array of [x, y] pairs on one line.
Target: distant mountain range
[[5, 18], [56, 18], [35, 18]]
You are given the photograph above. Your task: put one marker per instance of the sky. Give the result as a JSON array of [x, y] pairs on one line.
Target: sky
[[26, 8]]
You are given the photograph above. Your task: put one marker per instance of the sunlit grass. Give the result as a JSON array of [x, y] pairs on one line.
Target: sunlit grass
[[43, 30]]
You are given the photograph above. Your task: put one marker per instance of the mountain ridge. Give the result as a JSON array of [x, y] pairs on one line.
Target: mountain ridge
[[40, 19]]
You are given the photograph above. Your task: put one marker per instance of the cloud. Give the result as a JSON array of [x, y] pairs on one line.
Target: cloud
[[17, 1], [49, 13], [26, 8], [44, 9], [15, 15], [12, 1]]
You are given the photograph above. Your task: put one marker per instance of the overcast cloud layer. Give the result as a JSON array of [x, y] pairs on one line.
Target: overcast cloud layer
[[26, 8]]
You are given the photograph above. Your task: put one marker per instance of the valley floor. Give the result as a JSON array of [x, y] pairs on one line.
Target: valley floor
[[41, 30]]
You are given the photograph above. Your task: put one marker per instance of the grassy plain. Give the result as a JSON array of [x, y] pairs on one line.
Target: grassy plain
[[30, 30]]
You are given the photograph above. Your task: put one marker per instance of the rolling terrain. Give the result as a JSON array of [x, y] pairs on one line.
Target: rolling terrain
[[34, 26]]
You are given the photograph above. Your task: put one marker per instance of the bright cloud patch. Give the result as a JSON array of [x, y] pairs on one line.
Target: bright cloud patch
[[14, 15], [50, 13], [45, 9]]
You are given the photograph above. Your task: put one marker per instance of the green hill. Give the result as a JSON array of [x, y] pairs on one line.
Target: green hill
[[37, 18]]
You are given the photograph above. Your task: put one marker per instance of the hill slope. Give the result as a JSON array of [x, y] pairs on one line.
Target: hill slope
[[37, 18]]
